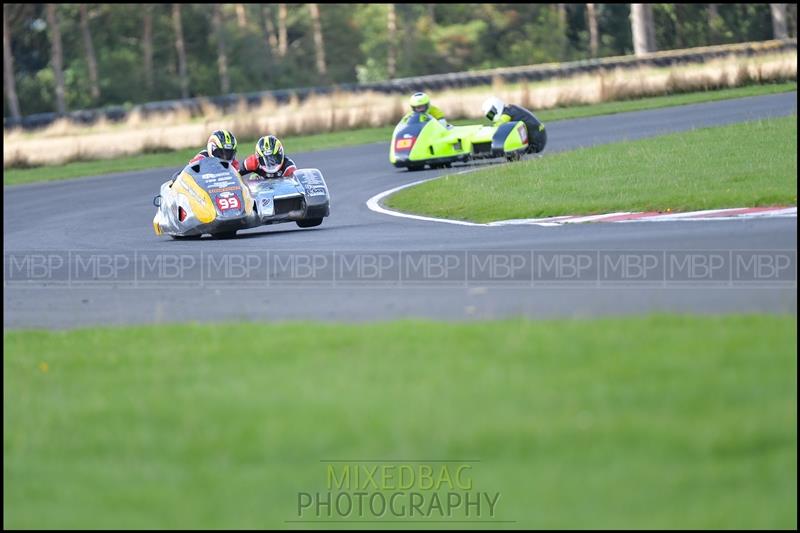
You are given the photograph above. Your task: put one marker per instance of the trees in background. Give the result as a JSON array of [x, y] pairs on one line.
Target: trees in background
[[241, 15], [270, 37], [282, 35], [778, 12], [91, 59], [391, 32], [57, 56], [183, 74], [130, 53], [9, 80], [217, 22], [147, 47], [594, 36], [643, 29], [319, 42]]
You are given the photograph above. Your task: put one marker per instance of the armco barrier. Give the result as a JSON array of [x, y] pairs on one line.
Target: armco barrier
[[433, 82]]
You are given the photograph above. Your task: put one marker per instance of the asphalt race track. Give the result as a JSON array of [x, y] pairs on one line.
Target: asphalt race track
[[424, 269]]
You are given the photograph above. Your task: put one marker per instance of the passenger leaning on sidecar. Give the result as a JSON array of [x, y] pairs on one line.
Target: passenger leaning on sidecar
[[269, 161], [498, 112]]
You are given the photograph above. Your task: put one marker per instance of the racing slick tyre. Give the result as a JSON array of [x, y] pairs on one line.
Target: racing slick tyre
[[224, 235], [538, 142], [309, 222], [414, 168], [186, 237]]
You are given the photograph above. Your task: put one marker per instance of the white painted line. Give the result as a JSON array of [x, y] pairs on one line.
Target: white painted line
[[591, 218], [789, 211], [374, 205], [515, 221], [556, 221]]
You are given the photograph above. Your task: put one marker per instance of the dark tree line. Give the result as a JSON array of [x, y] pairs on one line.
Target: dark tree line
[[59, 57]]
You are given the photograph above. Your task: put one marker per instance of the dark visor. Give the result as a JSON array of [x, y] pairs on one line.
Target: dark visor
[[270, 161], [224, 153]]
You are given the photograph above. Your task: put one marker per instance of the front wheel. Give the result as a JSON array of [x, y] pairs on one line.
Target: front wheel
[[186, 237], [224, 235], [309, 222]]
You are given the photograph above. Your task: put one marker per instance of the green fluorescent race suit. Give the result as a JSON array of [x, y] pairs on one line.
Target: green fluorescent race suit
[[537, 136], [433, 111]]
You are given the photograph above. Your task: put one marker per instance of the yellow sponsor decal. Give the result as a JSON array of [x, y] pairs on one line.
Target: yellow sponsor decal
[[199, 200], [404, 143]]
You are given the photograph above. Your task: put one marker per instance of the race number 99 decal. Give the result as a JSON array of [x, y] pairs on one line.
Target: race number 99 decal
[[231, 202]]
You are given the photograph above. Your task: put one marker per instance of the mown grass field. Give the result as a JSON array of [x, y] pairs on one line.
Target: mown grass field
[[651, 422], [309, 143], [741, 165]]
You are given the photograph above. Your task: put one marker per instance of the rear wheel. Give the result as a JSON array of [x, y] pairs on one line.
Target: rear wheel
[[309, 222]]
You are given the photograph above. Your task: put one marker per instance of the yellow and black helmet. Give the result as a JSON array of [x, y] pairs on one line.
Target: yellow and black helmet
[[420, 102], [269, 151], [222, 144]]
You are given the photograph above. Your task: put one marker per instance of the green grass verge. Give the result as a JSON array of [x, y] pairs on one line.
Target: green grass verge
[[742, 165], [309, 143], [652, 422]]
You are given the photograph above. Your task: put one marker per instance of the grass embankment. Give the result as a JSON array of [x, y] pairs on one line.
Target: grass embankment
[[654, 422], [742, 165], [307, 143]]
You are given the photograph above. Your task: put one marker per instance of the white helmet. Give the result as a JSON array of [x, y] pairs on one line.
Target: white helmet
[[492, 107]]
